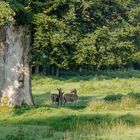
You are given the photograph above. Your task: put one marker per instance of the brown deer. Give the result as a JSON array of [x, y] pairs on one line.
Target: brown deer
[[70, 97], [57, 98]]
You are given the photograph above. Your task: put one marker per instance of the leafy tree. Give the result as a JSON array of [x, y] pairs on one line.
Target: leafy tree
[[81, 34], [6, 13]]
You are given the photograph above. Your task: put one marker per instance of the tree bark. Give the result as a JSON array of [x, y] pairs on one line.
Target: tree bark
[[15, 85], [37, 69], [44, 69], [57, 71]]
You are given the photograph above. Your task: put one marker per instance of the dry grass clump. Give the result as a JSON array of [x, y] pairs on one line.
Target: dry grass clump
[[128, 102], [90, 131], [125, 103], [4, 108]]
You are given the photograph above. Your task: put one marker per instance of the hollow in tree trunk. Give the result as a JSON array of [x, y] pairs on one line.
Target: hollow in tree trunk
[[15, 82]]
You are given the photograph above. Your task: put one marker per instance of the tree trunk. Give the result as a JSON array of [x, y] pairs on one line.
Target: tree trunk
[[52, 70], [48, 69], [57, 71], [44, 69], [36, 69], [15, 82]]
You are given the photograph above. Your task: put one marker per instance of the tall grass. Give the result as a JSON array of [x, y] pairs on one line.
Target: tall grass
[[126, 103], [101, 83], [98, 115], [102, 127]]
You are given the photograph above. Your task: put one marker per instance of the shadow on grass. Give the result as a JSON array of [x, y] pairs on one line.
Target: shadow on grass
[[81, 103], [75, 122], [43, 100], [99, 75]]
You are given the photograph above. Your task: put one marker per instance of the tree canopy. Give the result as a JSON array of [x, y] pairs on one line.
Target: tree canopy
[[80, 34], [6, 13]]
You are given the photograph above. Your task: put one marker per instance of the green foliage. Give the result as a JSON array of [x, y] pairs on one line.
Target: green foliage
[[105, 49], [19, 135], [78, 35], [105, 120], [6, 13], [52, 41], [93, 34], [114, 97], [23, 11]]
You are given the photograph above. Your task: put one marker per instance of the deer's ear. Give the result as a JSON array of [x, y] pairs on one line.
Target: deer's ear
[[59, 89]]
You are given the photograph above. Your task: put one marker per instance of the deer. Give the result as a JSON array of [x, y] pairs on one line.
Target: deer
[[70, 97], [57, 98]]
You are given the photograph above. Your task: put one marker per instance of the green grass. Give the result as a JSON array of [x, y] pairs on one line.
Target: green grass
[[91, 119]]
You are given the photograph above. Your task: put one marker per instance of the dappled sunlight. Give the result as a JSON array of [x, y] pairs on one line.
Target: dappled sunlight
[[56, 121], [100, 124], [97, 112], [93, 86]]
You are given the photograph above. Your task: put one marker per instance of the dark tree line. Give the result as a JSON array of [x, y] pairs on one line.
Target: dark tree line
[[87, 35], [81, 35]]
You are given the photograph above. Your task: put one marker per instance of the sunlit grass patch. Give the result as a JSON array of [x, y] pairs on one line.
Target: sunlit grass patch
[[4, 108], [92, 118], [123, 103], [102, 83], [135, 96]]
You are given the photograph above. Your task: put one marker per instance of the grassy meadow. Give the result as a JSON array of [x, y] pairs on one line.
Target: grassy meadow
[[108, 108]]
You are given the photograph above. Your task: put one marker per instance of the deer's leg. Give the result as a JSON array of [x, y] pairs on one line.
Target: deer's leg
[[61, 102], [74, 102], [64, 101]]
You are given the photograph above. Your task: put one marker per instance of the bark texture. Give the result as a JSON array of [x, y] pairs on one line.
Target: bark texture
[[15, 81]]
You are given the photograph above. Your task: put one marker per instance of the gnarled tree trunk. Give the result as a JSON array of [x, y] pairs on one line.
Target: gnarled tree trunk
[[15, 85]]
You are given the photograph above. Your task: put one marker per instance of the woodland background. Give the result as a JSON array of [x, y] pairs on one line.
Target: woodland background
[[79, 35]]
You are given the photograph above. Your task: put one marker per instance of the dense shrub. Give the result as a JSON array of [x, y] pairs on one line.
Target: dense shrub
[[129, 119], [114, 97]]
